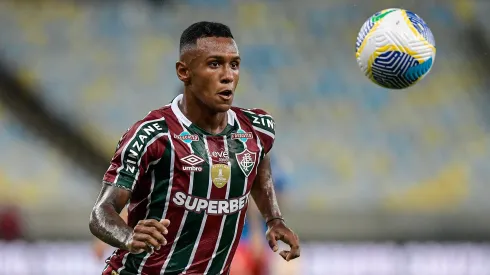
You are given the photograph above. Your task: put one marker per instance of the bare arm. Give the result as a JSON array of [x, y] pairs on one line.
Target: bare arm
[[107, 225], [99, 247], [105, 222], [265, 198], [263, 191]]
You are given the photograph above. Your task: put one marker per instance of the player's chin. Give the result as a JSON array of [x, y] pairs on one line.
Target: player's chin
[[222, 107]]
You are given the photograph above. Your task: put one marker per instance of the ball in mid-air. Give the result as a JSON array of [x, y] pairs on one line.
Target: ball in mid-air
[[395, 48]]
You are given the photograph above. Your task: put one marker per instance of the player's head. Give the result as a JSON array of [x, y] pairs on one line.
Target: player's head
[[209, 64]]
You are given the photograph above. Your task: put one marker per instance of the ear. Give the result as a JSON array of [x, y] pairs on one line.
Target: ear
[[183, 72]]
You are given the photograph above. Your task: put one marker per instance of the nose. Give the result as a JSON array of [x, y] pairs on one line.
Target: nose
[[227, 75]]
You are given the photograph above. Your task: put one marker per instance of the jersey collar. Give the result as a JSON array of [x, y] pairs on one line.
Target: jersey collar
[[182, 118]]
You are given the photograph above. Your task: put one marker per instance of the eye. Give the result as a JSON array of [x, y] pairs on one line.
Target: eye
[[235, 65], [213, 64]]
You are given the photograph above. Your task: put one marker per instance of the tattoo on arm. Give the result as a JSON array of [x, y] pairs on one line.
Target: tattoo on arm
[[105, 221], [263, 191]]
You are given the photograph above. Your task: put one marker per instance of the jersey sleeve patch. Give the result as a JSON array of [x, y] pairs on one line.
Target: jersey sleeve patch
[[264, 126], [135, 152], [261, 121]]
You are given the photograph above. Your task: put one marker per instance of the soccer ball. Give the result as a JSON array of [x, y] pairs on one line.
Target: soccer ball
[[395, 48]]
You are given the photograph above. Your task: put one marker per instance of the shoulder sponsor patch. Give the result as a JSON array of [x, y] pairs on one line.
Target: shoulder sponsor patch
[[261, 122]]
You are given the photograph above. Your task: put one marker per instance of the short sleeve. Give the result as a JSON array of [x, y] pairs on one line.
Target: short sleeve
[[136, 150], [264, 126]]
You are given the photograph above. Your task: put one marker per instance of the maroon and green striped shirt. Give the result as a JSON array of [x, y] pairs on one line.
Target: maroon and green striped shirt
[[199, 181]]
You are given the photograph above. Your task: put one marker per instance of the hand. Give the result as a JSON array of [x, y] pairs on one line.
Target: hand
[[147, 236], [279, 231]]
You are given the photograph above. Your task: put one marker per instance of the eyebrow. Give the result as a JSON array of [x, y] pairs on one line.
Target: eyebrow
[[220, 57]]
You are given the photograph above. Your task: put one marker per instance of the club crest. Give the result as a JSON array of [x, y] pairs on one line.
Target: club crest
[[246, 160]]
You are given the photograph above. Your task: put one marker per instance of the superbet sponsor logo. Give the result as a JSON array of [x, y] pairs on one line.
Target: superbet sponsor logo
[[192, 161], [210, 207]]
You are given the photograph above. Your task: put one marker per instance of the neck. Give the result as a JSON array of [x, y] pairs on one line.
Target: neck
[[200, 115]]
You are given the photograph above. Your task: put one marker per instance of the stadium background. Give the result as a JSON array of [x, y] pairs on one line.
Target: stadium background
[[385, 182]]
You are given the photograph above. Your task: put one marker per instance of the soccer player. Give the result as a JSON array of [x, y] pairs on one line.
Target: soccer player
[[187, 169]]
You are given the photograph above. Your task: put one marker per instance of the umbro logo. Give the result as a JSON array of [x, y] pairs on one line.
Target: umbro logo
[[192, 160]]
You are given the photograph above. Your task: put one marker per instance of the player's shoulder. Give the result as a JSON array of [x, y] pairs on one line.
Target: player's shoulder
[[252, 111], [155, 119], [260, 119], [151, 127]]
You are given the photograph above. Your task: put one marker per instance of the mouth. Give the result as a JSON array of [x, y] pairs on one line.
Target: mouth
[[226, 94]]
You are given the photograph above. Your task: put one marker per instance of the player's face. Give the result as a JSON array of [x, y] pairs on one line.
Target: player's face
[[215, 72]]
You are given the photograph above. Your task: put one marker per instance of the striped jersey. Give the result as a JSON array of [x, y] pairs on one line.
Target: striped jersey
[[199, 181]]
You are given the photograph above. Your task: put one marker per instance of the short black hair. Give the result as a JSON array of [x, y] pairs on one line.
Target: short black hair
[[203, 29]]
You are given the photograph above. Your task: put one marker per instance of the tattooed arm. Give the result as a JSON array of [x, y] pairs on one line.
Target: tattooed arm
[[98, 246], [265, 198], [107, 225]]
